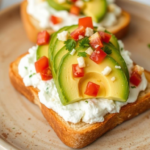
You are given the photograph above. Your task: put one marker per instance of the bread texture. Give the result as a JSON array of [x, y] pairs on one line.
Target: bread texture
[[81, 134], [32, 27]]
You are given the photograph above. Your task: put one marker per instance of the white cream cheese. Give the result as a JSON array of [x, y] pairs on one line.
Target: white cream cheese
[[88, 111], [42, 12]]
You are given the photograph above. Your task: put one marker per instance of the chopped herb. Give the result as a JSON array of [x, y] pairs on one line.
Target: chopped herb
[[70, 44], [148, 45], [32, 75], [86, 101], [121, 49], [26, 68], [13, 128], [107, 50], [47, 90], [85, 42], [82, 54], [133, 87]]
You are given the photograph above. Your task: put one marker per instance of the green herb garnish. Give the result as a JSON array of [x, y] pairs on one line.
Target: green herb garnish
[[86, 101], [26, 68], [47, 90], [13, 128], [121, 49], [70, 44], [107, 50], [32, 75], [133, 87], [85, 42], [82, 54], [148, 45]]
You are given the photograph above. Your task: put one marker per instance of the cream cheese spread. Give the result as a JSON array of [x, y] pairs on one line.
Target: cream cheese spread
[[42, 12], [88, 111]]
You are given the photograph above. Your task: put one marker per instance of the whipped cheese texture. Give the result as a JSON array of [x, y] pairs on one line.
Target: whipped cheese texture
[[42, 12], [88, 111]]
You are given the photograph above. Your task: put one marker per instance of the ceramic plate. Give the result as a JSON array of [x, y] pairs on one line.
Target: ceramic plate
[[22, 125]]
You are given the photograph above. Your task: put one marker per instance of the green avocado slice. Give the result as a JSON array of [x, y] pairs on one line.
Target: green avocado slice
[[58, 57], [95, 9], [42, 51], [58, 6], [52, 42], [118, 58], [114, 41], [59, 44], [72, 89]]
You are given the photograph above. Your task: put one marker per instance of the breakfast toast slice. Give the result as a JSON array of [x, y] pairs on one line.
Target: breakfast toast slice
[[81, 134], [32, 27]]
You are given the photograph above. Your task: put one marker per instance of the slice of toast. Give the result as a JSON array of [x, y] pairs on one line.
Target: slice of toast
[[81, 134], [32, 27]]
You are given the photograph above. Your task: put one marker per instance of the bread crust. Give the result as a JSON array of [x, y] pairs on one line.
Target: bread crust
[[81, 134], [32, 26]]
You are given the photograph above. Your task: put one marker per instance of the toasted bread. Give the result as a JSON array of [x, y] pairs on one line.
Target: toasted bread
[[32, 27], [81, 134]]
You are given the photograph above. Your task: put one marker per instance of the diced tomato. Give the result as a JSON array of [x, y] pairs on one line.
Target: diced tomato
[[105, 37], [86, 22], [46, 74], [98, 56], [41, 64], [92, 89], [55, 20], [77, 72], [79, 31], [135, 78], [95, 41], [43, 38], [75, 10]]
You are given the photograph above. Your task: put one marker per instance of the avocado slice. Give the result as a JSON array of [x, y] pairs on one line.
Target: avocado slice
[[95, 9], [114, 40], [58, 6], [57, 59], [59, 44], [72, 89], [42, 51], [53, 40], [115, 54]]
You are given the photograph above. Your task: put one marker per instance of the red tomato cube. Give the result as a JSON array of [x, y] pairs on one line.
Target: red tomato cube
[[105, 37], [92, 89], [86, 22], [79, 31], [43, 38], [41, 64], [95, 41], [98, 56], [55, 20], [46, 74], [75, 10], [77, 72], [135, 78]]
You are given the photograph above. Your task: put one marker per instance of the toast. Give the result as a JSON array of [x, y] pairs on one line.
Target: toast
[[81, 134], [32, 27]]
